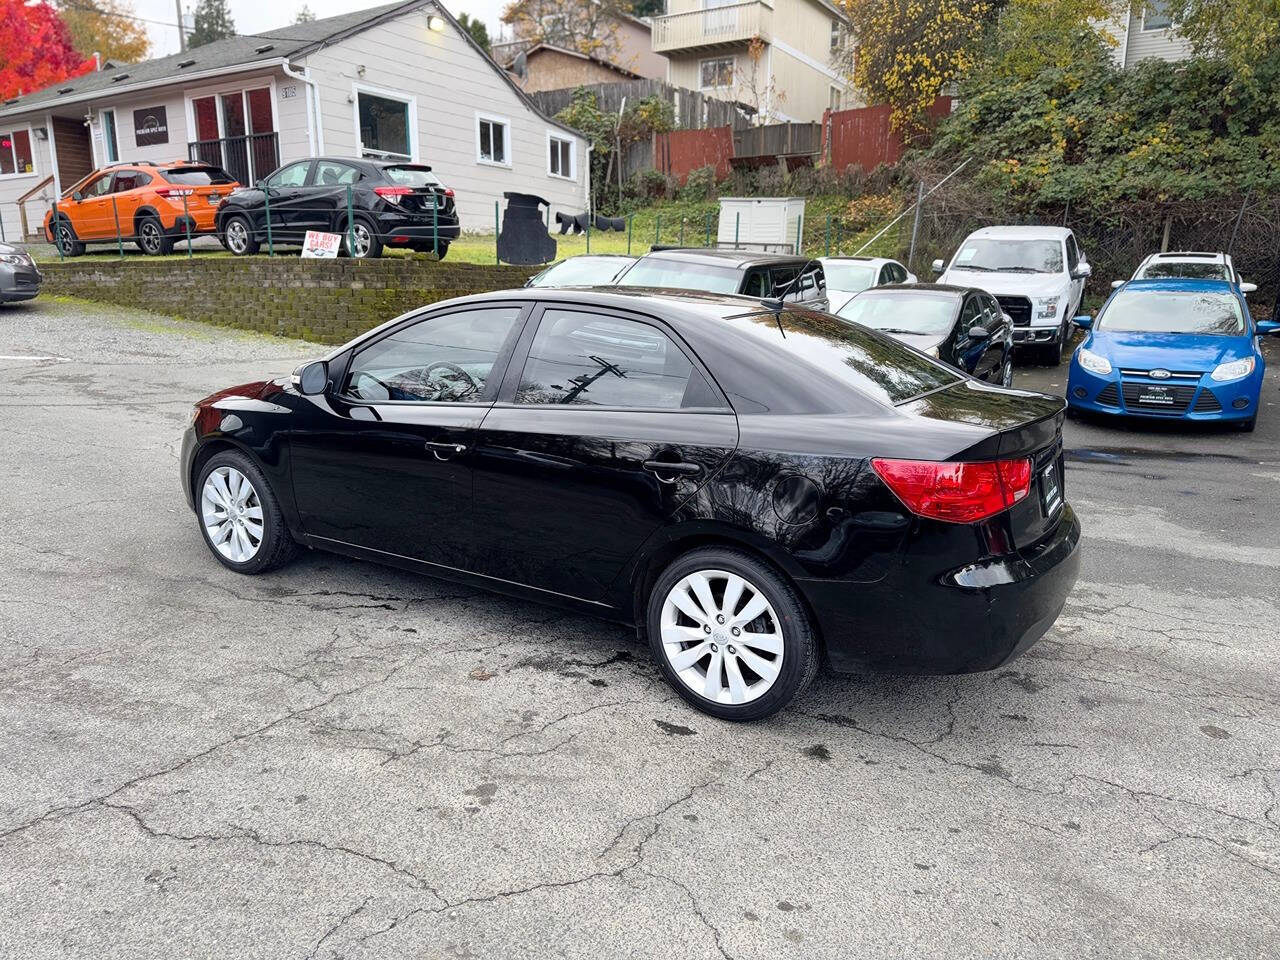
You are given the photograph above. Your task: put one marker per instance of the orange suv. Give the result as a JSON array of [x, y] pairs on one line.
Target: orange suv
[[151, 204]]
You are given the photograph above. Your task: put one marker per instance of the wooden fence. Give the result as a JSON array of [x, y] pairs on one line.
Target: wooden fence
[[693, 110], [777, 139], [864, 137], [679, 153]]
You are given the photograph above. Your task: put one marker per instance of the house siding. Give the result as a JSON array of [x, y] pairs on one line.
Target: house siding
[[451, 82], [14, 186], [1163, 44]]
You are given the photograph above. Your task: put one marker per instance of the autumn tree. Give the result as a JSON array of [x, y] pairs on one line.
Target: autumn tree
[[476, 28], [1032, 36], [106, 27], [587, 26], [905, 53], [35, 48], [1241, 32], [212, 22]]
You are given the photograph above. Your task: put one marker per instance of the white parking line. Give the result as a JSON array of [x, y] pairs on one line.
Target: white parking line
[[16, 357]]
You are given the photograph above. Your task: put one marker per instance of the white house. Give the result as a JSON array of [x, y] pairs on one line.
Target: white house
[[1147, 31], [401, 80]]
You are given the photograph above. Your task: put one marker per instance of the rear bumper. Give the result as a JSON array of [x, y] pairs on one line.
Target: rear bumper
[[965, 620], [417, 230]]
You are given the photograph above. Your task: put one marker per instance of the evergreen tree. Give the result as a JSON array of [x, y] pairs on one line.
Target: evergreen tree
[[304, 15], [213, 22], [479, 32]]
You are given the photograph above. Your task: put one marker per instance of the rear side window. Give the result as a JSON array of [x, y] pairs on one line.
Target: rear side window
[[198, 176], [331, 173], [598, 360], [409, 176], [130, 180]]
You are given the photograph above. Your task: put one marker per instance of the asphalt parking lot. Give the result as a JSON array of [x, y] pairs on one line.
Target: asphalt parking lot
[[342, 760]]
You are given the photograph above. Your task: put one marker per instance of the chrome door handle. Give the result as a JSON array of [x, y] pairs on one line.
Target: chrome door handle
[[659, 467], [449, 450]]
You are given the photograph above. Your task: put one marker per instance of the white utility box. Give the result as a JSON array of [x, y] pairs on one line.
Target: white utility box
[[770, 224]]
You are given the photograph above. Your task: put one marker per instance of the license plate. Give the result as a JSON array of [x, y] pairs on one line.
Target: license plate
[[1157, 396], [214, 198], [1050, 489]]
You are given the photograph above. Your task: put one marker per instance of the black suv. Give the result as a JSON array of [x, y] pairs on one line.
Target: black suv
[[390, 202]]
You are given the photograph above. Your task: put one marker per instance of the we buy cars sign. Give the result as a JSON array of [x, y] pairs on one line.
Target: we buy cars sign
[[321, 245]]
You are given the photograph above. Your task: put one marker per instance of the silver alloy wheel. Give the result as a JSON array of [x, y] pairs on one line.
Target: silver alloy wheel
[[232, 514], [65, 240], [150, 236], [1006, 375], [237, 236], [721, 637], [358, 240]]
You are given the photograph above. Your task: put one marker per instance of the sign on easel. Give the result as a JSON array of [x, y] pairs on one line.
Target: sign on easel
[[320, 245]]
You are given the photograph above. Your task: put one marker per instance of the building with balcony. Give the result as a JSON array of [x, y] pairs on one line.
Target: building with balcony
[[789, 74]]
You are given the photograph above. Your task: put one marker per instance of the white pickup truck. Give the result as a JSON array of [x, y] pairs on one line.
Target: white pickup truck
[[1036, 273]]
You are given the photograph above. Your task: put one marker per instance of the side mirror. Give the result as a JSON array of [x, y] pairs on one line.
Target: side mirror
[[77, 196], [978, 332], [1247, 288], [1084, 321], [311, 378], [938, 266], [1082, 271], [1117, 284], [1268, 326]]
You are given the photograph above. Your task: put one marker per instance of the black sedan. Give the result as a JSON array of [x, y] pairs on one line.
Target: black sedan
[[19, 277], [588, 270], [962, 326], [754, 490], [371, 203]]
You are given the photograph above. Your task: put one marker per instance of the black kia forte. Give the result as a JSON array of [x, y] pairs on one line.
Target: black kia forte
[[754, 489]]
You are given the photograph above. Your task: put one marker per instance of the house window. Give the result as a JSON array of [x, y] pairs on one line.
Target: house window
[[1156, 16], [15, 152], [385, 126], [493, 140], [110, 145], [236, 130], [833, 98], [560, 157], [717, 72], [835, 35]]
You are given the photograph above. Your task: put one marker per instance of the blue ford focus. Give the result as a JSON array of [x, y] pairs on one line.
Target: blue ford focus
[[1172, 349]]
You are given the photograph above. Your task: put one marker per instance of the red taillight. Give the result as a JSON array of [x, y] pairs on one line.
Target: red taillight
[[956, 492], [448, 191], [167, 192], [392, 194]]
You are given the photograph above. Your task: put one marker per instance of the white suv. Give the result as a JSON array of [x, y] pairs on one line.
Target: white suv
[[1191, 264], [1036, 273]]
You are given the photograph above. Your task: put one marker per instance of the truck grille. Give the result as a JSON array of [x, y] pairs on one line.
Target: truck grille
[[1018, 309]]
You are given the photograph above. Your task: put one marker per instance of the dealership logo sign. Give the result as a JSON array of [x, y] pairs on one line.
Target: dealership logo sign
[[150, 126]]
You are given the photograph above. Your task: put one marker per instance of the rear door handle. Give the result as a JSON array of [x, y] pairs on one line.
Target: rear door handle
[[659, 467], [445, 451]]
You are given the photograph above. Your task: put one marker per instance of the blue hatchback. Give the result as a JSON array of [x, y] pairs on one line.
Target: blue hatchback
[[1172, 349]]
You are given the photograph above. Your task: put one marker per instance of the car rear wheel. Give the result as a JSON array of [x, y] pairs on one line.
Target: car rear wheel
[[238, 237], [442, 250], [240, 517], [152, 239], [64, 238], [361, 241], [730, 634], [1006, 371]]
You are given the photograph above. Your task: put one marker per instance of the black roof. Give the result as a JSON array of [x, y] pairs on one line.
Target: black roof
[[713, 255], [921, 288]]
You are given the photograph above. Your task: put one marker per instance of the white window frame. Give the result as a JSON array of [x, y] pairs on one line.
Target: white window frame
[[115, 128], [506, 140], [410, 101], [732, 60], [837, 34], [553, 137], [31, 139], [219, 91], [839, 98]]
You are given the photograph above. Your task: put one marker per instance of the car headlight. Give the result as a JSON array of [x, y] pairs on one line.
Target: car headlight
[[1093, 362], [1233, 370], [1046, 307], [17, 259]]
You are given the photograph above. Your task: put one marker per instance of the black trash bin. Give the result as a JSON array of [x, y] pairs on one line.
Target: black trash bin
[[524, 239]]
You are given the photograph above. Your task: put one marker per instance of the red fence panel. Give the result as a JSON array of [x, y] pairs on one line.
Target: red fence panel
[[864, 138], [680, 152]]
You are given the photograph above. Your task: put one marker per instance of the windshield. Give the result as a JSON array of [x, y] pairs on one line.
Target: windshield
[[1010, 255], [1186, 270], [850, 277], [412, 176], [681, 275], [1163, 311], [580, 272], [198, 176], [928, 314]]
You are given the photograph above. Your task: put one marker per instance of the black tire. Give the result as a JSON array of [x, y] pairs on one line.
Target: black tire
[[237, 236], [800, 654], [368, 247], [1247, 426], [277, 546], [442, 251], [152, 239], [1051, 354], [64, 238]]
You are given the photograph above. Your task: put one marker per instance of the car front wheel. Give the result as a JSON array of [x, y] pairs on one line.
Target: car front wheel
[[240, 517], [730, 634], [238, 237]]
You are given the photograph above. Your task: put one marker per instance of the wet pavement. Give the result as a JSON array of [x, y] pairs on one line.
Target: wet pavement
[[342, 760]]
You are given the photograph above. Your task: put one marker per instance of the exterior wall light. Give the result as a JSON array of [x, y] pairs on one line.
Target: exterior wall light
[[435, 23]]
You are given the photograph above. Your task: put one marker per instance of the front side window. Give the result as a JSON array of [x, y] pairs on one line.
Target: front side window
[[443, 359], [560, 159], [717, 72], [97, 188], [491, 141], [1149, 311], [590, 359], [294, 175], [15, 152], [384, 126], [1009, 255], [330, 173]]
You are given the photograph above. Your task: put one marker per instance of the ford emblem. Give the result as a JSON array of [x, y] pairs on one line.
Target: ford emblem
[[1160, 374]]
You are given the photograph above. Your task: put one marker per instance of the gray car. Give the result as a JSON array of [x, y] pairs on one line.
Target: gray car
[[19, 278]]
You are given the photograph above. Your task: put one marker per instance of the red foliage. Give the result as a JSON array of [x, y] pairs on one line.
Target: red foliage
[[35, 49]]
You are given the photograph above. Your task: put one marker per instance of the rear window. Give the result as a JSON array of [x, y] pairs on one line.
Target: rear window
[[681, 275], [408, 176], [198, 176], [870, 362], [580, 272]]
